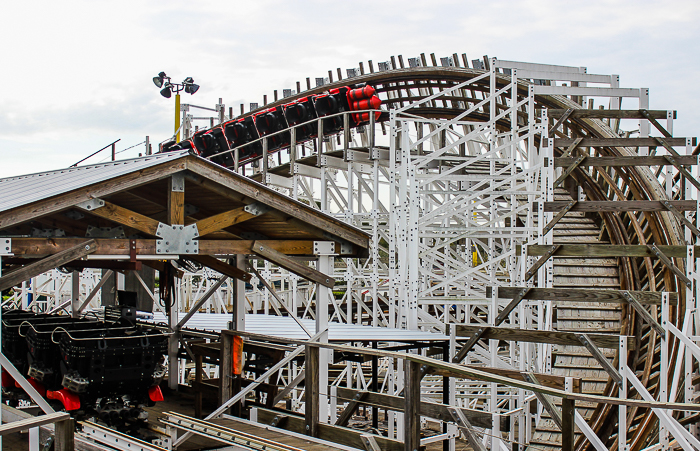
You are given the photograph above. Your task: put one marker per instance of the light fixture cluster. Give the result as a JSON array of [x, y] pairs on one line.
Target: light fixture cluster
[[163, 81]]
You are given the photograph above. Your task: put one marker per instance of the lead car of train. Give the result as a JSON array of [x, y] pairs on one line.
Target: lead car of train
[[239, 132], [108, 370]]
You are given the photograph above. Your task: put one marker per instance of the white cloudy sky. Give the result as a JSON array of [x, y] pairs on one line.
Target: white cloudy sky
[[76, 75]]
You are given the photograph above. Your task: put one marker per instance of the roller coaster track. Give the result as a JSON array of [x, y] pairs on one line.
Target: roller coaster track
[[399, 87]]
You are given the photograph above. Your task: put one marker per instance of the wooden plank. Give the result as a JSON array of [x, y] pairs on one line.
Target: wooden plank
[[605, 114], [411, 393], [350, 409], [222, 267], [605, 250], [560, 121], [332, 433], [27, 272], [656, 160], [225, 369], [27, 423], [551, 250], [547, 380], [669, 205], [280, 259], [223, 220], [433, 410], [558, 217], [540, 336], [467, 429], [604, 362], [211, 175], [311, 392], [568, 421], [97, 190], [624, 205], [64, 435], [126, 217], [631, 297], [34, 247], [669, 264], [618, 142], [176, 200], [571, 149], [567, 172], [587, 295], [545, 399]]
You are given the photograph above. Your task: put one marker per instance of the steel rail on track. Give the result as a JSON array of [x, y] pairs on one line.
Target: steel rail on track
[[114, 439]]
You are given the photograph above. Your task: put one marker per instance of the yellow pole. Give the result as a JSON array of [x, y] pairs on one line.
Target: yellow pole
[[177, 118]]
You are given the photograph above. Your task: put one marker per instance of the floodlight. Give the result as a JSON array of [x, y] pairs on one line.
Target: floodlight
[[166, 92], [158, 79]]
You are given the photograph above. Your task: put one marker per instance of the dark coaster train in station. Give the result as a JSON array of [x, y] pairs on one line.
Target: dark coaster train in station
[[301, 114], [107, 369]]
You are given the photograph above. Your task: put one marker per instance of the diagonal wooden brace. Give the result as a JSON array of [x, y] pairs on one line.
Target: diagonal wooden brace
[[352, 406], [469, 344], [546, 400], [561, 120], [568, 171], [669, 264], [280, 259], [678, 166], [547, 255], [558, 217], [467, 429], [571, 148], [604, 362], [656, 124], [669, 206], [511, 306], [641, 311]]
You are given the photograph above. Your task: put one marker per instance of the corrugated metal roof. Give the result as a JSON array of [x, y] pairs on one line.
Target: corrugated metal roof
[[25, 189], [286, 327]]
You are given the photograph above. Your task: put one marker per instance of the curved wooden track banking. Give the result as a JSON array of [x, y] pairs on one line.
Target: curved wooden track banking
[[631, 183]]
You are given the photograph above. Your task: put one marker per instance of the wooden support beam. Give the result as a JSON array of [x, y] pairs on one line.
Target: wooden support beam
[[595, 352], [618, 142], [285, 391], [220, 266], [633, 300], [622, 205], [587, 295], [546, 380], [311, 391], [370, 442], [669, 205], [411, 415], [606, 114], [511, 306], [654, 160], [289, 264], [567, 172], [655, 123], [40, 247], [540, 336], [558, 217], [568, 422], [570, 150], [225, 368], [467, 429], [541, 261], [126, 217], [58, 259], [560, 121], [680, 168], [475, 336], [433, 410], [28, 423], [606, 250], [223, 220], [350, 409], [669, 264], [64, 435], [176, 200], [545, 399]]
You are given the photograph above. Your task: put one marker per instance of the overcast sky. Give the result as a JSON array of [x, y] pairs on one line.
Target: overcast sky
[[76, 75]]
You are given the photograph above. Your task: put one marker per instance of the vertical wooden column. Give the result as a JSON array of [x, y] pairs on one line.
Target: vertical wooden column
[[411, 416], [65, 435], [198, 370], [176, 216], [311, 394], [75, 294], [239, 301], [225, 368], [568, 420]]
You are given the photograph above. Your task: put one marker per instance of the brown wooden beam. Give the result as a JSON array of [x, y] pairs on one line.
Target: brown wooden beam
[[618, 142], [411, 415], [45, 246], [607, 250], [126, 217], [655, 160], [312, 391], [540, 336], [219, 266], [623, 205], [587, 295], [222, 220], [289, 264], [547, 380], [58, 259], [117, 265], [176, 200], [605, 114], [350, 409]]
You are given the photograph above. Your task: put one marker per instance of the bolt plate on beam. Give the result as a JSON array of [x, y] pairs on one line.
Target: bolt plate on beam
[[91, 204], [177, 239]]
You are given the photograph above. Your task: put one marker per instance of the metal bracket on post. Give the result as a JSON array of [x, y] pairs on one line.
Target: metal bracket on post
[[177, 239], [324, 248], [178, 183], [6, 247], [256, 209]]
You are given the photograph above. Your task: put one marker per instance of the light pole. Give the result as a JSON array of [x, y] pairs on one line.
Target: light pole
[[188, 85]]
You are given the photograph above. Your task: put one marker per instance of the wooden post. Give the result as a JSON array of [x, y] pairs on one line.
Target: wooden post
[[65, 435], [411, 391], [198, 370], [568, 420], [311, 395], [225, 368], [176, 216], [176, 200]]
